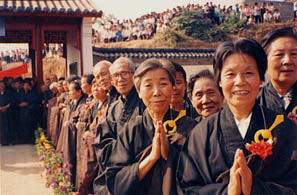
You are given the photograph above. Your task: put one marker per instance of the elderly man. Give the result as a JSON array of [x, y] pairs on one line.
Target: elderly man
[[103, 77], [120, 112]]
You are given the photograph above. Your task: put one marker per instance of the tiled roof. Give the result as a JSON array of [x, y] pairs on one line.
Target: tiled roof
[[113, 53], [71, 7]]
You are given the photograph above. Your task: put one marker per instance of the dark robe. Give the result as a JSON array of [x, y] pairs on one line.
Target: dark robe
[[190, 110], [112, 96], [269, 98], [210, 150], [45, 97], [135, 141], [27, 123], [118, 114], [6, 122]]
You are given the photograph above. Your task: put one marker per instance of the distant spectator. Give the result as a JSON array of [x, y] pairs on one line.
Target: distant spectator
[[276, 16], [256, 13], [267, 16], [263, 10], [295, 10]]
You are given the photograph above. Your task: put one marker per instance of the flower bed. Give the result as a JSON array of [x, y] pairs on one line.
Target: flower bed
[[57, 173]]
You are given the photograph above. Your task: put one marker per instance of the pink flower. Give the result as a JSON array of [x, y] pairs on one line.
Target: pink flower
[[262, 148]]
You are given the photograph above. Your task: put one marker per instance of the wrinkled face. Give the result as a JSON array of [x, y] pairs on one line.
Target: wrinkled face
[[240, 81], [66, 86], [98, 92], [156, 90], [122, 78], [206, 97], [73, 93], [179, 89], [60, 88], [282, 61], [102, 75], [85, 86]]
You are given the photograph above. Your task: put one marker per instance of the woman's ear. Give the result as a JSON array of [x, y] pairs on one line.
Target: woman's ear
[[220, 84]]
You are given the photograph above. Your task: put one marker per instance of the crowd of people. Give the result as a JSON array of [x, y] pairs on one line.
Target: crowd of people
[[144, 27], [13, 55], [148, 129]]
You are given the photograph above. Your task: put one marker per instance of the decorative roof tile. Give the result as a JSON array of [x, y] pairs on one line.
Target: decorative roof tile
[[68, 7], [112, 53]]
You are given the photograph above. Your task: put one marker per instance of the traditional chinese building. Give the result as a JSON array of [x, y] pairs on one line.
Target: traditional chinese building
[[40, 22]]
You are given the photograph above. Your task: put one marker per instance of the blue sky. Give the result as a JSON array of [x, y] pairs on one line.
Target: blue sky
[[125, 9]]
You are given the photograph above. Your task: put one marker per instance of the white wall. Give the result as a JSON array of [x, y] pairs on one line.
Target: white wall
[[73, 54], [87, 51]]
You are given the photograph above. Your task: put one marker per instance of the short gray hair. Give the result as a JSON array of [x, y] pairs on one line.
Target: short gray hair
[[152, 64], [124, 60], [101, 63]]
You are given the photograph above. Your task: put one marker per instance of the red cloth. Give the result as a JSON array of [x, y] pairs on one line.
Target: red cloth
[[14, 72]]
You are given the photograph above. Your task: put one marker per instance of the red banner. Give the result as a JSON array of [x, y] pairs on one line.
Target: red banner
[[14, 72]]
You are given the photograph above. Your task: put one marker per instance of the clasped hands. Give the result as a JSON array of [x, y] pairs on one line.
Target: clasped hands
[[240, 176], [160, 145]]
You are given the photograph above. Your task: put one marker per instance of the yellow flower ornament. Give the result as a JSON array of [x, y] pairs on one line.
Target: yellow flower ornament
[[266, 133], [172, 123]]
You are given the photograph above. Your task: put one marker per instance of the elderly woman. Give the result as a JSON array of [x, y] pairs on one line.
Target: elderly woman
[[89, 163], [217, 144], [144, 157], [280, 94], [204, 94]]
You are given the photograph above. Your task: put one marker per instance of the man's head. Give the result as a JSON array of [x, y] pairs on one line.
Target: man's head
[[102, 74], [122, 71]]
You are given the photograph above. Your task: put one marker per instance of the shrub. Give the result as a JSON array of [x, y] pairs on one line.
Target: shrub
[[194, 26], [233, 24]]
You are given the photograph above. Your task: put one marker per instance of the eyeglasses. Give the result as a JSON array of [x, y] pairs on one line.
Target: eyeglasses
[[123, 74]]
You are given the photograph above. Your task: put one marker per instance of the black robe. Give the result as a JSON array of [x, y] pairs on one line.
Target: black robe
[[269, 98], [210, 149], [26, 116], [117, 115], [6, 122], [122, 167]]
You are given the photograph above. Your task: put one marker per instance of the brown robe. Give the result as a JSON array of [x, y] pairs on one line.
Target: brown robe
[[67, 140], [82, 126], [89, 163]]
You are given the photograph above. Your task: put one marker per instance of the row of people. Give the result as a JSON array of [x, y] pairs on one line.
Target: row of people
[[143, 157], [149, 126], [143, 131], [19, 103]]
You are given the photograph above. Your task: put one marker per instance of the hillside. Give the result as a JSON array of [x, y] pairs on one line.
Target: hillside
[[255, 32]]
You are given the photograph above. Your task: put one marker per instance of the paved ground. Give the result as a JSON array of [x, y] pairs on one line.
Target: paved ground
[[20, 171]]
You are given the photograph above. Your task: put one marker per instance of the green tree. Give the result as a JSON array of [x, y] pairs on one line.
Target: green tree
[[194, 26]]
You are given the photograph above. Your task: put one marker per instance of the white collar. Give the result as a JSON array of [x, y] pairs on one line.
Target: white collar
[[243, 125]]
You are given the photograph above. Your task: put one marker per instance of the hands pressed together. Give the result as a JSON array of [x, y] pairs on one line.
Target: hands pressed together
[[160, 148], [160, 143], [240, 176]]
